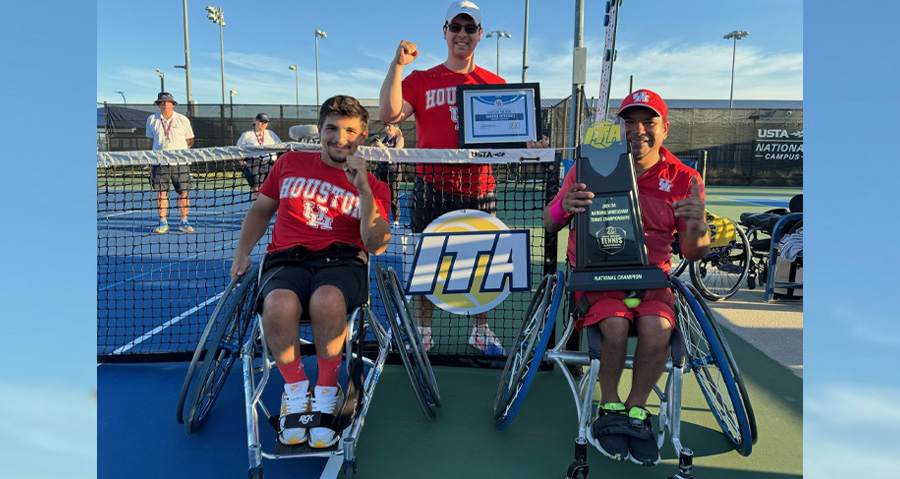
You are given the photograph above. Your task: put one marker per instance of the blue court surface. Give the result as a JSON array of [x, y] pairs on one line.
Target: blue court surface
[[767, 202]]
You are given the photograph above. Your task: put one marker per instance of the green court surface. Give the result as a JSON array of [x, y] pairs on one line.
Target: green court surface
[[463, 442]]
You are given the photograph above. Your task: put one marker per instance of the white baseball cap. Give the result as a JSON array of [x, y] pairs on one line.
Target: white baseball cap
[[463, 7]]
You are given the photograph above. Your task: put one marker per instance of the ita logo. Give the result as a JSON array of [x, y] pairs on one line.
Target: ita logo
[[468, 261], [602, 134]]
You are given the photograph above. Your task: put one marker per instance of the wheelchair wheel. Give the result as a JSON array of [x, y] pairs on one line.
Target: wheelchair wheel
[[718, 276], [525, 358], [679, 262], [715, 371], [219, 349], [409, 344], [738, 379], [199, 353]]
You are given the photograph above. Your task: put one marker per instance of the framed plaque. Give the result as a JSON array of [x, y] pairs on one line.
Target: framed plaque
[[498, 116]]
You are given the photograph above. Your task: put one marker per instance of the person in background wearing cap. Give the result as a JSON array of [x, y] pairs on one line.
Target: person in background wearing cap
[[430, 95], [390, 173], [672, 198], [256, 169], [170, 131]]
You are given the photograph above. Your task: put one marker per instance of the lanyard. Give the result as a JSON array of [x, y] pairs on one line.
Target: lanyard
[[260, 138], [167, 127]]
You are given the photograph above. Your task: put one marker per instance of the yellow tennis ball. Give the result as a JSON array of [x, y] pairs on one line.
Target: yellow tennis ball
[[632, 302]]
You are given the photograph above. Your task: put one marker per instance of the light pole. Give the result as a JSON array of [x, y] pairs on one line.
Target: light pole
[[123, 96], [162, 80], [736, 35], [500, 33], [187, 58], [218, 17], [319, 33], [232, 93], [297, 78]]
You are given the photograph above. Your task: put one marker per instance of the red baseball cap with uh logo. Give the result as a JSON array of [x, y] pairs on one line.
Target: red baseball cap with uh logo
[[646, 99]]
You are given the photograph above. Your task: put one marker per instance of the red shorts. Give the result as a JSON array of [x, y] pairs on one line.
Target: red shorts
[[607, 304]]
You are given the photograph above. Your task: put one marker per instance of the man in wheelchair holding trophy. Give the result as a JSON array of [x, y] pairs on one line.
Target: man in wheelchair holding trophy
[[623, 258]]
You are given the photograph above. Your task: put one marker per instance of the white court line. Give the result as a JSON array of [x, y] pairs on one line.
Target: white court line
[[168, 323]]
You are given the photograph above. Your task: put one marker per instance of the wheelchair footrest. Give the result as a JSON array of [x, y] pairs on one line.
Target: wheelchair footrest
[[304, 449]]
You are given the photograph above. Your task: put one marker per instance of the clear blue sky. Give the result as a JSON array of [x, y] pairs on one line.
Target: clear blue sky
[[49, 292], [675, 48]]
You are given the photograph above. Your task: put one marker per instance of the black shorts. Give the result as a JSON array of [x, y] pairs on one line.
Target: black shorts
[[256, 170], [430, 202], [178, 175], [305, 277]]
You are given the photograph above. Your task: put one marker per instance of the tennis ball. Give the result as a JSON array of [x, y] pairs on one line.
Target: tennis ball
[[632, 302]]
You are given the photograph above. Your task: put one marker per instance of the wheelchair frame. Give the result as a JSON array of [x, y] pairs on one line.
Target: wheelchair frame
[[763, 259], [235, 331], [697, 346]]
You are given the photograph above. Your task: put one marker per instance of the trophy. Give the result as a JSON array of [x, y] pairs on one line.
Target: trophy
[[610, 250]]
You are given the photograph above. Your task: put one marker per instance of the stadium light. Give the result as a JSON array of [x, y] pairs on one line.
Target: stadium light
[[500, 33], [736, 35], [231, 94], [162, 80], [319, 33], [218, 17], [123, 96], [296, 77]]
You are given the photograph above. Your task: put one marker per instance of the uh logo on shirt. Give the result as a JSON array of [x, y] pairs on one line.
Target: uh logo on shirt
[[468, 261]]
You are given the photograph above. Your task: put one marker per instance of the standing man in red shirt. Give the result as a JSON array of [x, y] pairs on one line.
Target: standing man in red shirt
[[672, 198], [331, 215], [430, 95]]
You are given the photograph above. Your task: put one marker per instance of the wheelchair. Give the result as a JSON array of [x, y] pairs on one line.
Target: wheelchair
[[235, 331], [697, 346], [764, 231], [720, 274]]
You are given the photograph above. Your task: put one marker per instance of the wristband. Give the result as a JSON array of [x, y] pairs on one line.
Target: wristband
[[557, 213]]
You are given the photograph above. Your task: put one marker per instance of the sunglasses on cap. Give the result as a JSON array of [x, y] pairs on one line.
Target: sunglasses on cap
[[455, 28]]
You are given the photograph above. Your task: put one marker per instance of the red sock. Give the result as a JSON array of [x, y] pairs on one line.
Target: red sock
[[293, 373], [328, 371]]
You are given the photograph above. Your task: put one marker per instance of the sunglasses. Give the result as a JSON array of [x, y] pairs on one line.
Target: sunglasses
[[455, 28], [263, 121]]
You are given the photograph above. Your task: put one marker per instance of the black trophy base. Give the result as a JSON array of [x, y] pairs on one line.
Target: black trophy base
[[617, 279]]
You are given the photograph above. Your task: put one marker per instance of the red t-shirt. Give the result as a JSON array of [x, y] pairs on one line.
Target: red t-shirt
[[668, 181], [432, 94], [317, 206]]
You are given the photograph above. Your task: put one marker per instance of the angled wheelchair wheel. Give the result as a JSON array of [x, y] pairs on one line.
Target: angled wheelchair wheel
[[219, 351], [407, 339], [719, 276], [738, 379], [679, 262], [528, 352], [212, 326], [714, 370]]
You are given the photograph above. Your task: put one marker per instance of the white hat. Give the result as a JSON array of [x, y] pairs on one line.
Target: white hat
[[466, 7]]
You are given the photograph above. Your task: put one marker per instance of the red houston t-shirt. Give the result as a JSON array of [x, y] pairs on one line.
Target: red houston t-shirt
[[432, 94], [317, 206]]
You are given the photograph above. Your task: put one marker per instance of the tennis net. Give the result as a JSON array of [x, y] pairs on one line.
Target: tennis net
[[156, 291]]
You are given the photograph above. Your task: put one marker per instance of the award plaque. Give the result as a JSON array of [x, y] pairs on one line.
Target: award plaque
[[610, 249], [498, 116]]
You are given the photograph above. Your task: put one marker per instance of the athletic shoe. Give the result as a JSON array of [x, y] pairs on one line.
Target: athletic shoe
[[326, 400], [642, 447], [162, 227], [483, 339], [294, 400], [427, 340], [610, 430], [185, 226]]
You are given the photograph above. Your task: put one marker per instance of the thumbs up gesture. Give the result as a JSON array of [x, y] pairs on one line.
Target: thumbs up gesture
[[692, 209]]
